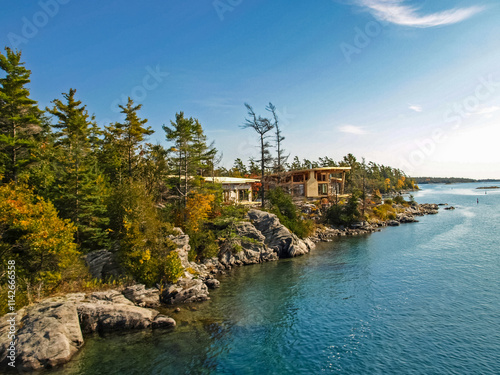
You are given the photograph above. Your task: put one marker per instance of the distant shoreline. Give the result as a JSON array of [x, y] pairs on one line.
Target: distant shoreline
[[488, 187], [449, 180]]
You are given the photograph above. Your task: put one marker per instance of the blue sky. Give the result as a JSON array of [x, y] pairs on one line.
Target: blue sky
[[413, 84]]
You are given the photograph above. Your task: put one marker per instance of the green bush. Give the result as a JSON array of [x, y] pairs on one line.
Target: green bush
[[399, 200], [392, 216], [388, 201], [384, 212], [141, 233], [344, 214], [203, 244], [283, 207], [172, 267], [234, 211]]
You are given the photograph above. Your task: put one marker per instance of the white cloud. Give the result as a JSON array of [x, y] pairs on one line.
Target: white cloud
[[395, 11], [351, 129], [486, 112], [415, 107]]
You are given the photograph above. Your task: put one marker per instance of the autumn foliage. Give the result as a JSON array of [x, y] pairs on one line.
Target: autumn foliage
[[41, 244], [198, 207]]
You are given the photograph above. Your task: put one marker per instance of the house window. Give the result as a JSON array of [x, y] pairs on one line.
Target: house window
[[298, 190], [242, 195], [321, 176], [322, 189]]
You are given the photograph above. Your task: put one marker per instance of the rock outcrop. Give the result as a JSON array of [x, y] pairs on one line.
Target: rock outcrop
[[277, 236], [186, 291], [49, 335], [141, 296], [104, 316], [406, 216], [102, 264], [50, 332]]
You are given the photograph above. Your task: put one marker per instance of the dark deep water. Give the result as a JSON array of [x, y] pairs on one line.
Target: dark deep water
[[422, 298]]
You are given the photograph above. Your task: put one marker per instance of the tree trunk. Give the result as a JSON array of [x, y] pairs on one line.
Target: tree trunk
[[262, 164]]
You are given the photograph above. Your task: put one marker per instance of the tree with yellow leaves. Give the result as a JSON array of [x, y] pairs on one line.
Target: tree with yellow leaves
[[35, 238], [198, 207]]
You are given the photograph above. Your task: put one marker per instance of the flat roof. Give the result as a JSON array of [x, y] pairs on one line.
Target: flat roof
[[231, 180]]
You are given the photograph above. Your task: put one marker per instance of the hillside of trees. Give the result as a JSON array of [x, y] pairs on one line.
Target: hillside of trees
[[441, 180], [69, 187]]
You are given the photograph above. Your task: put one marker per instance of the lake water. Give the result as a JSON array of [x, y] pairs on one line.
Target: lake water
[[422, 298]]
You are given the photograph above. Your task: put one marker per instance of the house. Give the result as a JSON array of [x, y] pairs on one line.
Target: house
[[236, 190], [314, 183]]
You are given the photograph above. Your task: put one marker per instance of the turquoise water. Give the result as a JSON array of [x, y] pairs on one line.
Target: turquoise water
[[422, 298]]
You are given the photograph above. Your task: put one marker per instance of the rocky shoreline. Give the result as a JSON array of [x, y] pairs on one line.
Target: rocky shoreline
[[409, 215], [50, 332]]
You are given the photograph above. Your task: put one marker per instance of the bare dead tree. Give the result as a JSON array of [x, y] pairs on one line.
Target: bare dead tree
[[278, 139], [262, 126]]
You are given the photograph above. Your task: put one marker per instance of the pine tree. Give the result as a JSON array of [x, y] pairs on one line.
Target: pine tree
[[239, 169], [112, 154], [80, 190], [193, 155], [19, 117], [133, 132]]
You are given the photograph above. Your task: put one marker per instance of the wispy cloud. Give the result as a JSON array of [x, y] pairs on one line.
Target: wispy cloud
[[487, 112], [415, 107], [351, 129], [396, 11]]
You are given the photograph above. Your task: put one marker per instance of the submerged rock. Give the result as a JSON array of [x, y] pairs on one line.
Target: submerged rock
[[212, 283], [163, 321], [186, 291]]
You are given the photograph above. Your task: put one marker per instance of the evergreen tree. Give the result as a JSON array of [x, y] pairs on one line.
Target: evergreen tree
[[80, 190], [20, 117], [253, 167], [112, 154], [239, 169], [133, 132], [193, 155]]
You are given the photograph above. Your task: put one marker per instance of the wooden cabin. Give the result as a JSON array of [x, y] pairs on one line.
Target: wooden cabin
[[236, 190], [314, 183]]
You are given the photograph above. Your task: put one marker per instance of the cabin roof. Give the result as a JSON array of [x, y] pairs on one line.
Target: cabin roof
[[231, 180]]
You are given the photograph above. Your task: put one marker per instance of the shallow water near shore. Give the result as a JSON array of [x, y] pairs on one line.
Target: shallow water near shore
[[422, 298]]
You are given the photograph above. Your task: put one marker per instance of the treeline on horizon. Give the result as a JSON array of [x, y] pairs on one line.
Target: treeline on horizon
[[448, 180], [69, 187]]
